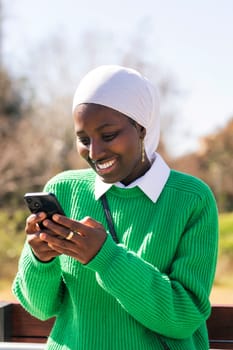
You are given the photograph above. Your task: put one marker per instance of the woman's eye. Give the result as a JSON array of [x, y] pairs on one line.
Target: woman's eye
[[84, 140], [109, 137]]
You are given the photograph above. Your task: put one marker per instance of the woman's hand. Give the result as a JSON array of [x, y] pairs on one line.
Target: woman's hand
[[39, 247], [86, 237]]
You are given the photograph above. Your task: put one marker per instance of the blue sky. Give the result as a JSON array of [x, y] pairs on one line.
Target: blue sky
[[192, 40]]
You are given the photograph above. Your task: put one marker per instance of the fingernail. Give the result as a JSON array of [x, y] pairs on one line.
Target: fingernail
[[42, 236], [45, 222]]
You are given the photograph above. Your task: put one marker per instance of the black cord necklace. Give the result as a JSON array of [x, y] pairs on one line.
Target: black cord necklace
[[109, 217]]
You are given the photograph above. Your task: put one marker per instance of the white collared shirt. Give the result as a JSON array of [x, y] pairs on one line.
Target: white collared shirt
[[151, 183]]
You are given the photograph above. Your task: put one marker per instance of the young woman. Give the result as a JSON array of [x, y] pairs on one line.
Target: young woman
[[131, 265]]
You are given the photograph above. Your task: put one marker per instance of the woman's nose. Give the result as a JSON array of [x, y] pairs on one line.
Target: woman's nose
[[96, 150]]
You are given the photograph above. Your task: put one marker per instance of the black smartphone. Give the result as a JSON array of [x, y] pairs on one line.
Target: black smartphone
[[43, 201]]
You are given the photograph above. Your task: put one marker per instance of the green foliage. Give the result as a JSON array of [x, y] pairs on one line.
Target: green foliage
[[226, 234], [12, 240]]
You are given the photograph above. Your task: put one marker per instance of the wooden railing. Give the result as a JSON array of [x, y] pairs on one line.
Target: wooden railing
[[16, 325], [220, 327]]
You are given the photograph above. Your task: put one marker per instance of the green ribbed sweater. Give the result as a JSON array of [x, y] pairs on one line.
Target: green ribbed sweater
[[148, 292]]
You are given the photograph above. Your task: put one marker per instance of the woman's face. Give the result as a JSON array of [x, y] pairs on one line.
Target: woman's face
[[110, 142]]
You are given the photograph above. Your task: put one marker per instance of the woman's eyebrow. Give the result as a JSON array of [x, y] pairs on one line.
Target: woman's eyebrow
[[105, 125], [79, 133], [99, 128]]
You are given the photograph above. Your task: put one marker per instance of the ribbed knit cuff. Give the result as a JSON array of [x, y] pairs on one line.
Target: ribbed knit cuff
[[105, 256], [31, 259]]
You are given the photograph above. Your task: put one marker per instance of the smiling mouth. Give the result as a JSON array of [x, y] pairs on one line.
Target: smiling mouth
[[105, 167]]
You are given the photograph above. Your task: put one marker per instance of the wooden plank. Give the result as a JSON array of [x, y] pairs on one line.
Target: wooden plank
[[28, 340], [220, 327], [5, 320], [220, 323], [18, 325], [25, 325]]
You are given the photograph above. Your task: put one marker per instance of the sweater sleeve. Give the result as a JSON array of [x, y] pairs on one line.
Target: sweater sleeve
[[38, 286], [173, 304]]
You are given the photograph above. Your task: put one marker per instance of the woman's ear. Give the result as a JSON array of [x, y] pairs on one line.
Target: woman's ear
[[142, 131]]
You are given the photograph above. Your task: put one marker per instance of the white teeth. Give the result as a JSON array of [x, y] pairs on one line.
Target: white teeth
[[106, 165]]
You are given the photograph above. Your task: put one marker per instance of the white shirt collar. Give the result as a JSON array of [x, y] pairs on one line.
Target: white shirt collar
[[151, 183]]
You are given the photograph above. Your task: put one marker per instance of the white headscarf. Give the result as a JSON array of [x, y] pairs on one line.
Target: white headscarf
[[126, 91]]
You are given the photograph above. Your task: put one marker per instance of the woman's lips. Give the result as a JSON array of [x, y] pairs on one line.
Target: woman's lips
[[105, 167]]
